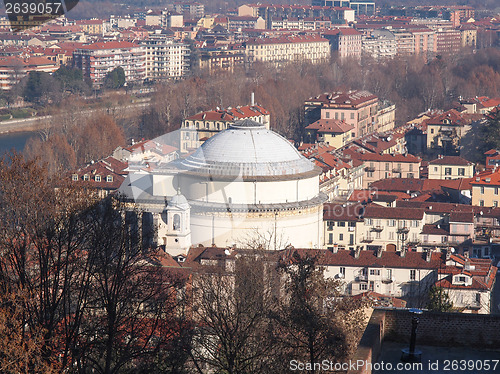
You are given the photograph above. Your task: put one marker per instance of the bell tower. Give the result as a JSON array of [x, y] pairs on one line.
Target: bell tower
[[174, 227]]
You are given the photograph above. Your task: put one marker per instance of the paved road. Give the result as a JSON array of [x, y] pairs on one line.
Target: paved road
[[34, 123]]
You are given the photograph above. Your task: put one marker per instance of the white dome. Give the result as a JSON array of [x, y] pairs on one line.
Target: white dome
[[247, 148]]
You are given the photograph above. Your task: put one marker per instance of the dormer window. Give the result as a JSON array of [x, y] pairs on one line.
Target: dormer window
[[74, 177], [109, 178], [97, 178], [86, 177], [461, 279]]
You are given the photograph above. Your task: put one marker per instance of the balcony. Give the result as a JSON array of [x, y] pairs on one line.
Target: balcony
[[370, 168], [403, 230], [368, 239], [397, 170], [377, 229], [388, 280], [361, 278]]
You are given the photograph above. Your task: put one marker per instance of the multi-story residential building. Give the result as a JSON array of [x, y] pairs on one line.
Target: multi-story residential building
[[407, 275], [380, 44], [386, 116], [450, 167], [200, 127], [405, 42], [346, 42], [235, 23], [342, 225], [385, 166], [445, 131], [98, 59], [468, 283], [225, 58], [105, 175], [365, 7], [339, 15], [468, 35], [191, 8], [391, 229], [165, 58], [92, 26], [336, 133], [13, 69], [311, 48], [357, 108], [486, 189], [448, 41], [308, 23], [170, 19], [424, 41]]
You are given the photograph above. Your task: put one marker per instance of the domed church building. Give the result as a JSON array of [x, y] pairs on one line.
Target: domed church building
[[245, 186]]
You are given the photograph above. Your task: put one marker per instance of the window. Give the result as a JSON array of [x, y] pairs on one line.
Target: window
[[391, 235], [369, 174], [462, 279], [386, 166], [389, 273], [330, 225], [411, 167], [330, 238], [351, 239], [410, 175], [341, 224], [86, 177], [352, 224], [342, 116], [432, 131], [352, 115], [391, 222], [482, 190], [342, 271], [447, 171], [327, 114], [496, 190], [74, 177], [336, 115], [387, 174], [413, 275], [368, 221], [495, 203], [177, 222], [414, 223], [374, 272], [341, 237], [97, 178], [363, 287], [481, 202], [444, 239], [461, 171], [435, 168], [372, 285], [478, 298], [109, 178]]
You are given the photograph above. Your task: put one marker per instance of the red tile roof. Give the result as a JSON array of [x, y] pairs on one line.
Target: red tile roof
[[343, 212], [109, 45], [451, 160], [230, 114], [334, 126], [377, 211]]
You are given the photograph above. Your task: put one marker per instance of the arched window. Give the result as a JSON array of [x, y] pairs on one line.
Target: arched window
[[177, 222]]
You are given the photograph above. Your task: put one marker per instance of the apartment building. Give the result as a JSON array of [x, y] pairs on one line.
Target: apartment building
[[444, 131], [165, 58], [294, 23], [361, 7], [379, 44], [13, 69], [409, 275], [92, 26], [485, 189], [391, 229], [448, 41], [357, 108], [336, 133], [345, 42], [450, 167], [342, 225], [385, 166], [236, 23], [292, 48], [198, 128], [339, 15], [468, 283], [98, 59]]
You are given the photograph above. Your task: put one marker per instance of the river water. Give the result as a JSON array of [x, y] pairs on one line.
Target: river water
[[15, 141]]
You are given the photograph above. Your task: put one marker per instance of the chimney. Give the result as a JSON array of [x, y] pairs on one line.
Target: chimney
[[428, 255], [402, 252], [466, 255], [448, 253], [252, 101], [357, 251], [379, 252], [335, 248]]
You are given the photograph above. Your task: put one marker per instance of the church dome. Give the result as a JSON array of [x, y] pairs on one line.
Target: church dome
[[248, 149]]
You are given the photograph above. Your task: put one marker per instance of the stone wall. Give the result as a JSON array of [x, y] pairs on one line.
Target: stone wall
[[438, 329]]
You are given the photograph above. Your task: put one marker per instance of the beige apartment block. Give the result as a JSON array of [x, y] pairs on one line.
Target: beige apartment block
[[486, 189], [384, 166], [450, 167]]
